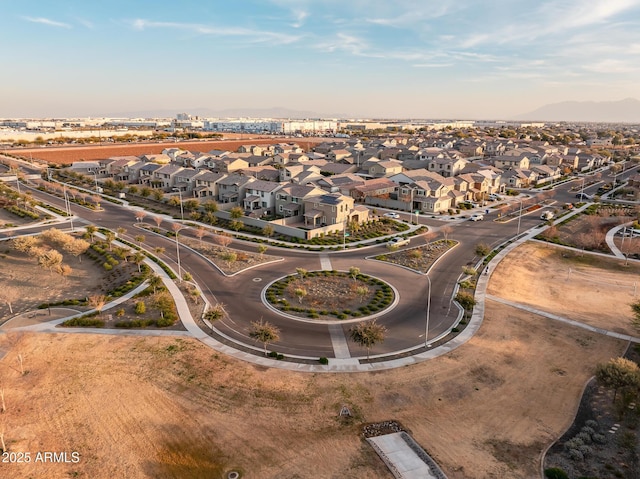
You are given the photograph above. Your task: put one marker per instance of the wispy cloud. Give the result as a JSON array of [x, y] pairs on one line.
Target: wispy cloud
[[299, 17], [253, 36], [85, 23], [345, 42], [415, 13], [47, 21]]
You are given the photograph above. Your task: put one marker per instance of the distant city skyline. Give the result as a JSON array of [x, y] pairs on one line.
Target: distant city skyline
[[420, 59]]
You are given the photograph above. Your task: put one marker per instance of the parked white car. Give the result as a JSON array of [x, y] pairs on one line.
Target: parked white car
[[477, 217], [547, 215]]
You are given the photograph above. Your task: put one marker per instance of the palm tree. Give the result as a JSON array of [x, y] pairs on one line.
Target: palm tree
[[265, 332], [155, 282], [367, 334], [138, 258]]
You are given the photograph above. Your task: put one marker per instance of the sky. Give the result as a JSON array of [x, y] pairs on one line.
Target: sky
[[463, 59]]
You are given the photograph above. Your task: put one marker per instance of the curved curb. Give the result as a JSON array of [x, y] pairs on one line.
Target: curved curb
[[543, 454]]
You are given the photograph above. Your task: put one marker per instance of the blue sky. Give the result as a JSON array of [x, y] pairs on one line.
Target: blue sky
[[375, 58]]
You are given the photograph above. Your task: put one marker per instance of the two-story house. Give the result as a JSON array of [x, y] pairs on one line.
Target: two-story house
[[260, 198], [232, 188], [327, 209], [207, 184], [164, 177], [290, 199]]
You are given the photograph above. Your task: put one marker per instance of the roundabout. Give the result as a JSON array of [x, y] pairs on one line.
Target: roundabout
[[330, 296]]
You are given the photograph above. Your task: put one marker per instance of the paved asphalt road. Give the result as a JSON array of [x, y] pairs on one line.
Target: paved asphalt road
[[406, 323]]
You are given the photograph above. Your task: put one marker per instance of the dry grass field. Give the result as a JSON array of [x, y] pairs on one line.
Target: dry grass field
[[167, 407], [69, 154], [587, 288]]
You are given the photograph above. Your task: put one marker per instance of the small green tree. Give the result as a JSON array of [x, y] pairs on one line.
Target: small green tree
[[300, 294], [362, 291], [262, 249], [236, 212], [618, 373], [140, 307], [230, 257], [482, 249], [466, 300], [265, 332], [268, 231], [302, 272], [354, 272], [367, 334]]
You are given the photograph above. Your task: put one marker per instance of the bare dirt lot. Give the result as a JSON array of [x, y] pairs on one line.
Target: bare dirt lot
[[168, 407], [563, 282], [64, 155]]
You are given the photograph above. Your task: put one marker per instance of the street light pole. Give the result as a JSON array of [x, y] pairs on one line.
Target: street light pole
[[344, 235], [519, 217], [95, 176], [426, 331], [178, 255], [181, 207], [67, 205]]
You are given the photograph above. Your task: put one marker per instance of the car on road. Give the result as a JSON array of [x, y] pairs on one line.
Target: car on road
[[494, 197], [583, 196], [547, 215], [391, 215], [398, 241], [477, 217]]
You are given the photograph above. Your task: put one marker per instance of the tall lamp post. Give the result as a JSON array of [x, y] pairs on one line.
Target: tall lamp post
[[426, 331], [519, 217], [67, 205], [181, 207], [176, 229], [95, 176]]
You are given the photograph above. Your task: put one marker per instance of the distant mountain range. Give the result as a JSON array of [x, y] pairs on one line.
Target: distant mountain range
[[274, 112], [623, 111]]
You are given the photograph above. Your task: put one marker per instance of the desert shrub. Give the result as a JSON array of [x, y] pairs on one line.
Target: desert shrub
[[576, 455], [585, 437], [84, 322], [599, 438], [107, 266], [592, 424], [466, 300], [136, 323], [323, 360], [272, 354], [587, 430], [555, 473], [574, 443], [585, 450], [120, 313], [167, 321], [455, 330]]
